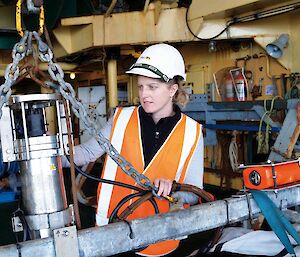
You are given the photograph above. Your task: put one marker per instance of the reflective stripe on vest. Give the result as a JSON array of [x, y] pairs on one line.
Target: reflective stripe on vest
[[191, 138], [106, 189], [170, 162]]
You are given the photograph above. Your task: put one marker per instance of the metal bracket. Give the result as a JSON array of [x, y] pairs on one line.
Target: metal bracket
[[17, 225], [66, 242]]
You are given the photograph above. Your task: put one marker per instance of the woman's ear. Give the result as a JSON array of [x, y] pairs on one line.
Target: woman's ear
[[173, 89]]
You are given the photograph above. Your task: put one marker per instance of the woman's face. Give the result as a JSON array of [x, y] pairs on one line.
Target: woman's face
[[156, 96]]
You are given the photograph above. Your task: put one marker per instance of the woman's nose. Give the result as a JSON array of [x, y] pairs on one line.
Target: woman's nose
[[143, 92]]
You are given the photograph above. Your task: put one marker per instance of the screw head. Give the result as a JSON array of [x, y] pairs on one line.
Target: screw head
[[66, 233]]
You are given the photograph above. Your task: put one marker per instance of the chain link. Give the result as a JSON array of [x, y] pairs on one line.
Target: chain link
[[67, 91], [31, 7], [12, 71]]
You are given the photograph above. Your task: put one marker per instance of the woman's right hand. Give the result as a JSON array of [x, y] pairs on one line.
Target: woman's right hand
[[164, 186]]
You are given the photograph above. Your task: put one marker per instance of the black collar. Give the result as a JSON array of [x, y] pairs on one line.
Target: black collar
[[148, 116], [154, 135]]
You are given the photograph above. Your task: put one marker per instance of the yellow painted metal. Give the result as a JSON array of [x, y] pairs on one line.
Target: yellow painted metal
[[293, 47], [124, 28], [200, 8], [50, 113], [42, 20], [112, 83], [65, 66], [84, 20], [19, 19], [130, 90], [147, 2], [201, 65], [7, 16], [139, 27], [215, 179], [157, 10], [75, 38]]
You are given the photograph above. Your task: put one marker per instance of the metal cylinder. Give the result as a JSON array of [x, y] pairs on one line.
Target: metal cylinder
[[42, 186], [26, 138]]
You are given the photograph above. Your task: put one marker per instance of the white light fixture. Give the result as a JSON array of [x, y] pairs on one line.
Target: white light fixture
[[212, 46], [275, 49], [72, 75]]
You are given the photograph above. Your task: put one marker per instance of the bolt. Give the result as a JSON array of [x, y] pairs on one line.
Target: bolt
[[21, 48], [66, 232]]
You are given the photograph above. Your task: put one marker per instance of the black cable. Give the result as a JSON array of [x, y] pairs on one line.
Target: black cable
[[126, 199], [140, 192], [248, 18], [116, 183], [204, 39], [121, 203], [26, 230]]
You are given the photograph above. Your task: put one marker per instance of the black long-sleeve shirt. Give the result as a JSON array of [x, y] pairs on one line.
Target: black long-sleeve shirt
[[154, 135]]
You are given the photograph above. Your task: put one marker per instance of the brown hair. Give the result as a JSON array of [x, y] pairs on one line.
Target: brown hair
[[181, 97]]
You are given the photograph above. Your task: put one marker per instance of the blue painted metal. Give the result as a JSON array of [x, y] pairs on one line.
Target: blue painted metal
[[249, 111], [7, 168], [238, 127], [8, 196], [285, 141]]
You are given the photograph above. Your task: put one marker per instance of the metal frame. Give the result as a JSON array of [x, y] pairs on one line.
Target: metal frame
[[249, 111]]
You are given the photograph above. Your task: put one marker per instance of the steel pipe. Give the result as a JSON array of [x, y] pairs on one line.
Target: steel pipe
[[114, 238]]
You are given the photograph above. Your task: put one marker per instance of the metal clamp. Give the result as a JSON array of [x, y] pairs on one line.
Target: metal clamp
[[66, 242]]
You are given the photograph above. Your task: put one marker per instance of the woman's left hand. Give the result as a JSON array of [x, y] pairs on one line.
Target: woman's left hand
[[164, 186]]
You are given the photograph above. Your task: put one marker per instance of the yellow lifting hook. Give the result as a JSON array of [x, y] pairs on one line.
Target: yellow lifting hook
[[19, 19]]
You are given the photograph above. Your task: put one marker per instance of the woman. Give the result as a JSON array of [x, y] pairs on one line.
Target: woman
[[155, 137]]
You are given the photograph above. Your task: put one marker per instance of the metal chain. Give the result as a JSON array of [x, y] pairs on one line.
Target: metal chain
[[12, 70], [67, 91], [31, 7], [20, 50]]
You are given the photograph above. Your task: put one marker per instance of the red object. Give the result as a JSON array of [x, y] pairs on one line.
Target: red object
[[240, 86], [271, 175], [229, 90]]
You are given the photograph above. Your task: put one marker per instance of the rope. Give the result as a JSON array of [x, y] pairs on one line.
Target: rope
[[263, 140], [233, 152]]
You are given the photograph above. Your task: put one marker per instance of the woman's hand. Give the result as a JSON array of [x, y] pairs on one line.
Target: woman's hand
[[164, 186]]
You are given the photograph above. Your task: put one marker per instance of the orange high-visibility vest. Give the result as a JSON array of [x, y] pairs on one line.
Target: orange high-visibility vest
[[170, 162]]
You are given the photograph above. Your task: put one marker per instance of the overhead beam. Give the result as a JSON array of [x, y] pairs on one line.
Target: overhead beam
[[75, 38], [201, 8], [44, 67], [122, 28], [79, 33], [114, 238]]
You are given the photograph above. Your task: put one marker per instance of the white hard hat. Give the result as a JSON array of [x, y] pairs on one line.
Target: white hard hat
[[159, 61]]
